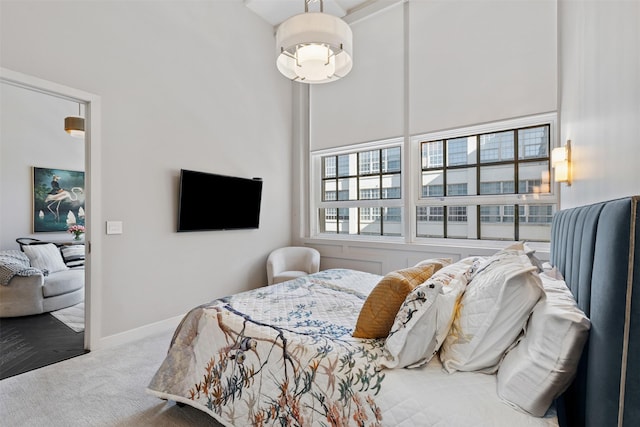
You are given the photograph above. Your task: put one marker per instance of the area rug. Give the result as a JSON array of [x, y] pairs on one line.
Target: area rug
[[72, 316], [31, 342]]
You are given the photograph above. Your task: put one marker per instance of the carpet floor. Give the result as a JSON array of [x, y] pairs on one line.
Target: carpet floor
[[103, 388], [30, 342]]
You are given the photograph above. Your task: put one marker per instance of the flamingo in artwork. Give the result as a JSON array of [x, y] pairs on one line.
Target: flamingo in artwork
[[56, 199]]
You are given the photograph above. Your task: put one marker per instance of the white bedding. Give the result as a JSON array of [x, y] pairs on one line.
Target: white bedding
[[284, 355], [429, 396]]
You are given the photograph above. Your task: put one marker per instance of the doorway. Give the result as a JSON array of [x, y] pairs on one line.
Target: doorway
[[91, 153]]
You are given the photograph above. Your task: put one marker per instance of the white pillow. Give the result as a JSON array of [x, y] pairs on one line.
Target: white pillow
[[545, 361], [425, 317], [552, 271], [45, 257], [492, 312]]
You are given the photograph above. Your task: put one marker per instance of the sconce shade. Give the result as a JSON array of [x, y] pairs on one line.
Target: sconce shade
[[558, 155], [74, 126], [314, 47], [561, 163], [561, 172]]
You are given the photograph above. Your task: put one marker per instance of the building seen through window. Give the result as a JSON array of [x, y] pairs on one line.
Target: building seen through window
[[492, 185], [371, 175], [509, 162]]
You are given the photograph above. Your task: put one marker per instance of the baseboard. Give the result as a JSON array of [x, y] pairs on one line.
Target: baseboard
[[136, 334]]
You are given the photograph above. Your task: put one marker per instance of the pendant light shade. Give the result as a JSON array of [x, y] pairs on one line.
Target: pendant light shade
[[314, 47], [74, 126]]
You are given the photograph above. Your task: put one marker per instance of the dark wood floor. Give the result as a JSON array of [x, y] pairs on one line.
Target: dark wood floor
[[31, 342]]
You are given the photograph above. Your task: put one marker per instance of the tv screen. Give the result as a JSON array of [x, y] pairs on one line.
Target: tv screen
[[209, 201]]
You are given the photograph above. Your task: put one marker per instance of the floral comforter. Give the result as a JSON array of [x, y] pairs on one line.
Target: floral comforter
[[279, 355]]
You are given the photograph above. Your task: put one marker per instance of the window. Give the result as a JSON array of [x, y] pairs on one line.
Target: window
[[488, 177], [366, 190], [489, 181]]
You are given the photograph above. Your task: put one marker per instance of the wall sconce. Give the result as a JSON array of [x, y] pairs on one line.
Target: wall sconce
[[74, 126], [561, 163]]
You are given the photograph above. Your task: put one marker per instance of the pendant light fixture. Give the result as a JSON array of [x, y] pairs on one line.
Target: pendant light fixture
[[74, 126], [314, 47]]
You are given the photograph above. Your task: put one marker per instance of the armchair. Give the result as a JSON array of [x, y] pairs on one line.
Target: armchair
[[290, 262]]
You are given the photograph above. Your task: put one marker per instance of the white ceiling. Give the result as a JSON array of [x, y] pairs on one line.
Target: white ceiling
[[276, 11]]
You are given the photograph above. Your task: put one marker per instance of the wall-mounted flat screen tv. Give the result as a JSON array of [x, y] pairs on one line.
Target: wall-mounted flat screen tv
[[209, 201]]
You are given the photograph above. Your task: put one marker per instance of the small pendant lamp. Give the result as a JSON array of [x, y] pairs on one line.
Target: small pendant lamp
[[74, 126], [314, 47]]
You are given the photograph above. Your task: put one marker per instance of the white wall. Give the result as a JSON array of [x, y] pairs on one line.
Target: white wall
[[599, 77], [31, 134], [183, 85]]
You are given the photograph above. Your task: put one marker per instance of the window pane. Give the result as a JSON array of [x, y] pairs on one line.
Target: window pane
[[370, 221], [329, 167], [457, 214], [461, 222], [432, 155], [497, 147], [369, 188], [392, 221], [459, 178], [535, 222], [347, 188], [369, 214], [328, 220], [369, 194], [533, 142], [497, 179], [461, 151], [391, 159], [538, 214], [508, 213], [490, 214], [347, 164], [430, 221], [432, 184], [534, 177], [457, 189], [345, 221], [496, 222], [391, 185], [329, 192], [369, 162]]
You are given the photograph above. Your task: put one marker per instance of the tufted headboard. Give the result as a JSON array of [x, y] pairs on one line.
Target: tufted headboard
[[596, 248]]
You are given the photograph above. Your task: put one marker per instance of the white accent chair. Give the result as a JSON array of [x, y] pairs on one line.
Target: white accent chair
[[291, 262]]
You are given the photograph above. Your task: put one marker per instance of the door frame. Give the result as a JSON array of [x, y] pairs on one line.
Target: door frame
[[93, 218]]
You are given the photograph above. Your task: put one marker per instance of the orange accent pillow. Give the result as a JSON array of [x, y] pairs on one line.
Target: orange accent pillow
[[381, 306]]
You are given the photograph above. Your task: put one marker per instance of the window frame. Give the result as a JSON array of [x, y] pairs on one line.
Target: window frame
[[317, 179], [475, 201]]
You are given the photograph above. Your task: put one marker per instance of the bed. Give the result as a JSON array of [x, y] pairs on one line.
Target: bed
[[287, 355]]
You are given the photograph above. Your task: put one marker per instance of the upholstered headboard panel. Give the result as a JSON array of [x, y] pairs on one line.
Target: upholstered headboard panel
[[596, 248]]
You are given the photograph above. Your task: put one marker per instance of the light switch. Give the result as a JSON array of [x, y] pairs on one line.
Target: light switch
[[114, 227]]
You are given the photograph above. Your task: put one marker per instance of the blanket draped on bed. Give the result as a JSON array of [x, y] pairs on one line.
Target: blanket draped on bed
[[292, 361]]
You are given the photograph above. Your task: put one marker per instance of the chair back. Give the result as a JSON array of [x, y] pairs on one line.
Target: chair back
[[292, 258]]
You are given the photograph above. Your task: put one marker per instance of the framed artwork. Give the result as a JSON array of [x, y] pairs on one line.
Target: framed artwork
[[58, 199]]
